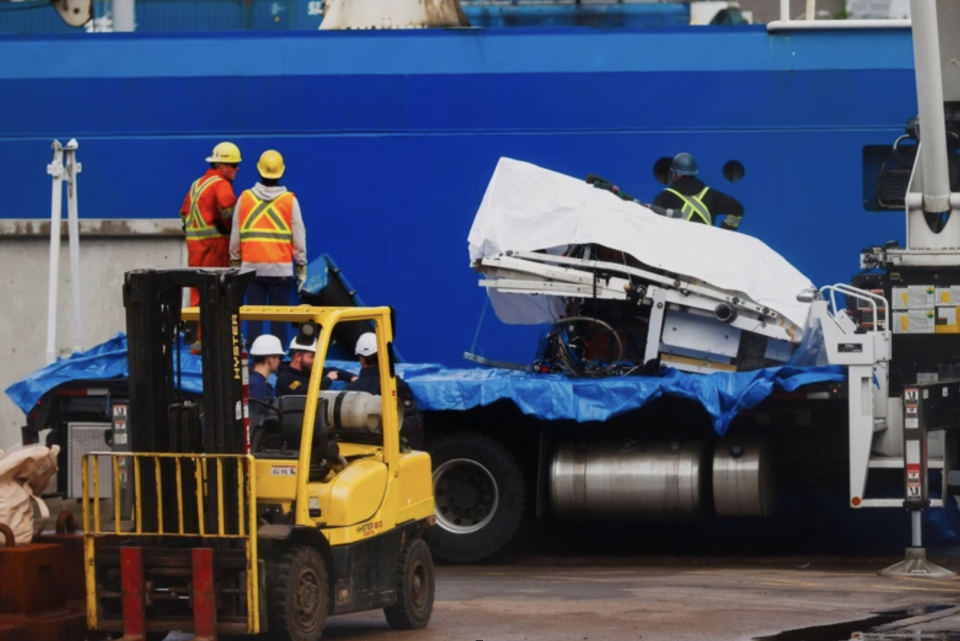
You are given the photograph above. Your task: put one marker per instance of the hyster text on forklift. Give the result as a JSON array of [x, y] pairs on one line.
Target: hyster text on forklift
[[210, 524]]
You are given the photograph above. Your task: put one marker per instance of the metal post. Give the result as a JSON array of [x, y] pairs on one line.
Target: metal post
[[933, 148], [72, 169], [54, 169], [655, 327], [785, 10], [916, 497], [811, 13]]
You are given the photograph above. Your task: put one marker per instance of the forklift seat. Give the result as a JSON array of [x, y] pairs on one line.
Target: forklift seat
[[285, 431], [291, 418]]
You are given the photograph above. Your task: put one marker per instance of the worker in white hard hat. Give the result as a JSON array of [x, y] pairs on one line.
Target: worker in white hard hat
[[369, 381], [206, 214], [293, 377], [267, 353], [269, 236]]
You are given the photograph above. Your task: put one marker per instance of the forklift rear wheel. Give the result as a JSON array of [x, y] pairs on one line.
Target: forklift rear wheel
[[298, 595], [415, 588]]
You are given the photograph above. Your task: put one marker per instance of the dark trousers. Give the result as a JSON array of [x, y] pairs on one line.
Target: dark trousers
[[269, 290]]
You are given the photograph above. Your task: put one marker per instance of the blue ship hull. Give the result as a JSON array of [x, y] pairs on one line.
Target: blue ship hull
[[390, 138]]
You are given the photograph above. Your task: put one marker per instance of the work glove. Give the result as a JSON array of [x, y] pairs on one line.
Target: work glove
[[724, 225], [301, 272], [234, 263]]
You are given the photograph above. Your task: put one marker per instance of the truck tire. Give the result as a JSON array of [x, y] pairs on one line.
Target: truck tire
[[415, 588], [479, 495], [298, 594]]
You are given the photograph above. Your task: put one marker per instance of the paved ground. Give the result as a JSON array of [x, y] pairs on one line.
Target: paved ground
[[655, 600]]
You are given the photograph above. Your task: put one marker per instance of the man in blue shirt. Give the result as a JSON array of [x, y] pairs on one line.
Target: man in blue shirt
[[294, 377], [267, 352], [369, 381]]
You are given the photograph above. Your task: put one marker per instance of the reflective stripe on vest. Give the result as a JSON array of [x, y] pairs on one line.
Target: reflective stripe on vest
[[693, 206], [197, 227], [266, 228]]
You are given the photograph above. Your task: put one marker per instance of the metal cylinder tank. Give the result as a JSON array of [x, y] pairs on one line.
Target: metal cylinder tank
[[744, 478], [628, 481], [353, 410]]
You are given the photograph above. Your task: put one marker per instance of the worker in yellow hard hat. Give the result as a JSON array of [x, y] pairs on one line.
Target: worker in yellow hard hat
[[207, 210], [268, 235]]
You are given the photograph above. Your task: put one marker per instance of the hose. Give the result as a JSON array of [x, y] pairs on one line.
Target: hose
[[557, 354]]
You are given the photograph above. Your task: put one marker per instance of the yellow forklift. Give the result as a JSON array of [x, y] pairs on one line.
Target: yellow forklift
[[202, 521]]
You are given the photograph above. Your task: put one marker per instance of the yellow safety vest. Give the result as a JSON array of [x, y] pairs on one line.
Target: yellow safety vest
[[266, 228], [197, 227], [693, 206]]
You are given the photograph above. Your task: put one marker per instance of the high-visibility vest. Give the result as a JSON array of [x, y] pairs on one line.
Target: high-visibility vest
[[266, 228], [693, 206], [198, 227]]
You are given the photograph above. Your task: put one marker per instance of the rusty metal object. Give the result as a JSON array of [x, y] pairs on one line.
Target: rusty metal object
[[9, 540], [204, 595], [61, 625], [170, 574], [134, 606], [14, 631], [32, 579], [72, 541], [66, 523]]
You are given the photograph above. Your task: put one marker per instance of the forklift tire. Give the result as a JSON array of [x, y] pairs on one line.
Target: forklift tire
[[298, 595], [479, 496], [415, 588]]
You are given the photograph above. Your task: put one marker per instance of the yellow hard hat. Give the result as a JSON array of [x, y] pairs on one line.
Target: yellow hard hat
[[226, 152], [271, 164]]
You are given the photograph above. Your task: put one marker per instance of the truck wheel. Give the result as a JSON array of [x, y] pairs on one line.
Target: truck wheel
[[479, 494], [415, 588], [298, 595]]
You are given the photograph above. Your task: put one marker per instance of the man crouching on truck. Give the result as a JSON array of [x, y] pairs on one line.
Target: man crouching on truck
[[695, 201]]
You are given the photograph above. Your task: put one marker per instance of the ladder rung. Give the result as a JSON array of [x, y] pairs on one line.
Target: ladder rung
[[894, 503], [896, 463]]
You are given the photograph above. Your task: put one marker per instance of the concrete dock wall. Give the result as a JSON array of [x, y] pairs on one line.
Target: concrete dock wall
[[108, 249]]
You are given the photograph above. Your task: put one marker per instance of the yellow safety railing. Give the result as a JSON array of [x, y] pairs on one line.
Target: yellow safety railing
[[146, 468], [207, 472]]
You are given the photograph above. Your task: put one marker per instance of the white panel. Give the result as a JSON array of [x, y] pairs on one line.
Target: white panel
[[700, 333]]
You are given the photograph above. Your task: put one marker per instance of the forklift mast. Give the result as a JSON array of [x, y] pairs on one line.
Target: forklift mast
[[152, 299], [161, 418]]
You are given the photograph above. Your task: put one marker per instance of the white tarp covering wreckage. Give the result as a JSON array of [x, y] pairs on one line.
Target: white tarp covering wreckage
[[552, 246]]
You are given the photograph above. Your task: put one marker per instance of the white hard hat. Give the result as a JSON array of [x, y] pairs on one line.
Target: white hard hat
[[366, 344], [266, 345], [312, 347]]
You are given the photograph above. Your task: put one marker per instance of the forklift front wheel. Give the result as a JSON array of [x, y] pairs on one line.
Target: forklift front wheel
[[298, 594], [415, 588]]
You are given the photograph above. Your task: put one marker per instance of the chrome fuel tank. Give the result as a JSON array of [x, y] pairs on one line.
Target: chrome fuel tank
[[628, 481]]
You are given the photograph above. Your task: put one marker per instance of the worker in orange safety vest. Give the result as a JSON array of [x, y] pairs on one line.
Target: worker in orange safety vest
[[268, 235], [207, 210]]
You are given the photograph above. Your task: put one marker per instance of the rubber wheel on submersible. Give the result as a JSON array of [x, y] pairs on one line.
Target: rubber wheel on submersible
[[479, 495]]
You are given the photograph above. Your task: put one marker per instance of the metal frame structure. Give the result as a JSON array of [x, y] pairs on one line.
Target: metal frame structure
[[64, 169], [205, 517], [186, 483], [866, 350], [670, 299]]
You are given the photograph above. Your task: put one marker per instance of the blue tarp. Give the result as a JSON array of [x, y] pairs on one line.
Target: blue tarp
[[547, 396], [555, 397]]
